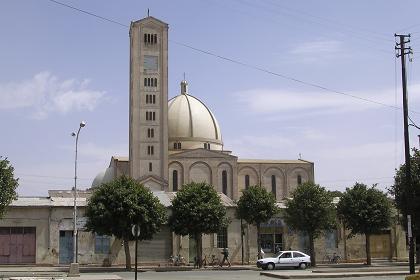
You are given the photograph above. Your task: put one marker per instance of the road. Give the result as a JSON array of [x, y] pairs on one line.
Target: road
[[221, 275]]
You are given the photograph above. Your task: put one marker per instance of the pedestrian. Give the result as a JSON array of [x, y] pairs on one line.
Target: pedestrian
[[262, 254], [225, 253]]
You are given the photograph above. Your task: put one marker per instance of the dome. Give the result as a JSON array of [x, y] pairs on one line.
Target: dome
[[191, 124], [103, 177], [98, 179]]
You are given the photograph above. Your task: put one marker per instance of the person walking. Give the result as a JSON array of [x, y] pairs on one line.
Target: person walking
[[225, 253]]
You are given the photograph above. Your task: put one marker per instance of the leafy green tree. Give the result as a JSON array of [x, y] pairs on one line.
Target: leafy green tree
[[256, 206], [407, 199], [115, 206], [197, 209], [311, 211], [8, 185], [365, 211]]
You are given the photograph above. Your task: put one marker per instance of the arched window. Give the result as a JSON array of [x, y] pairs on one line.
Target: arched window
[[273, 185], [224, 182], [299, 180], [175, 180], [246, 182]]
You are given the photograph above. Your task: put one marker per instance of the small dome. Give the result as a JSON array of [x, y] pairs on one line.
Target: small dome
[[191, 123], [98, 179], [103, 177]]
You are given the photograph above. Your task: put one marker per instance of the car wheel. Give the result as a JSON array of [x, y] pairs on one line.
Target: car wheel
[[302, 265], [270, 266]]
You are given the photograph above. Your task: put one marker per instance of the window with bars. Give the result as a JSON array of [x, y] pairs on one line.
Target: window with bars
[[150, 39], [150, 116], [222, 238], [150, 82], [102, 244]]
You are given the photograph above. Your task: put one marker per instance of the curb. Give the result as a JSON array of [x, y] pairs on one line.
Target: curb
[[332, 275]]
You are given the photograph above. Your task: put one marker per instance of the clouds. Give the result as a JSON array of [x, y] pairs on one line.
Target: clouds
[[317, 47], [318, 51], [272, 101], [45, 94]]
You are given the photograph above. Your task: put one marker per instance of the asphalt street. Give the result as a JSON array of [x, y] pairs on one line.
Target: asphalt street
[[221, 275]]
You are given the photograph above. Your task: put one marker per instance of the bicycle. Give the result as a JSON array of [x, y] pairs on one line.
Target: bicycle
[[212, 262], [176, 260], [334, 258]]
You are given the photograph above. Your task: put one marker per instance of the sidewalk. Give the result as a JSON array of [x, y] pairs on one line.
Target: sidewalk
[[342, 270]]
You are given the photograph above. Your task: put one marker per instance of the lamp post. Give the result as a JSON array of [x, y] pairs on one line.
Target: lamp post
[[74, 267]]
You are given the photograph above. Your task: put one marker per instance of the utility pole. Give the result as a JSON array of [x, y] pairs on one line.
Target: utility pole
[[402, 52]]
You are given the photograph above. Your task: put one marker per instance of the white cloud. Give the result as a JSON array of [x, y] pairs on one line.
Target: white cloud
[[317, 47], [319, 51], [270, 101], [45, 93]]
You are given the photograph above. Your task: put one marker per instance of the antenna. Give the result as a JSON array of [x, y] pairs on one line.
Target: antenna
[[184, 76], [148, 12]]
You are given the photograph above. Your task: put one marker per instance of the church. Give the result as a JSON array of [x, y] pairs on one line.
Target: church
[[171, 143], [178, 141]]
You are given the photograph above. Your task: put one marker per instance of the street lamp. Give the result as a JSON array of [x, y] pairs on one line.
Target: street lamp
[[74, 267]]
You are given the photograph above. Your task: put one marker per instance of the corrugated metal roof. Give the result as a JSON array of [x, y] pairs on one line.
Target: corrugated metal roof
[[58, 201], [23, 201]]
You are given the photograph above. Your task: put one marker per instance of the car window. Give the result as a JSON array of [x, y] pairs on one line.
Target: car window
[[297, 255], [286, 255]]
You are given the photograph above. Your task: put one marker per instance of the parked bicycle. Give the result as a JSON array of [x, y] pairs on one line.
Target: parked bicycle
[[213, 261], [334, 258], [176, 260]]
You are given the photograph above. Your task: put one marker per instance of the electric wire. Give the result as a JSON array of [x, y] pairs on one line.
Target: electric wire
[[373, 35], [238, 62]]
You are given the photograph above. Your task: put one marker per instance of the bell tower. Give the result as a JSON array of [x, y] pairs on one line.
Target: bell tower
[[148, 123]]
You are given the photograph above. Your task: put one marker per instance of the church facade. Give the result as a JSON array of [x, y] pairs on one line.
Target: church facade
[[178, 141]]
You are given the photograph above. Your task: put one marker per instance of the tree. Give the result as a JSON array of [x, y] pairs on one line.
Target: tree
[[8, 185], [197, 209], [311, 211], [256, 206], [407, 199], [116, 206], [365, 211]]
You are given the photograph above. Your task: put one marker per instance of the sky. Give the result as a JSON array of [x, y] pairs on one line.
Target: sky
[[285, 79]]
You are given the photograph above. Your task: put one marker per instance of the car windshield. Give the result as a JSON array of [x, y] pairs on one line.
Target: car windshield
[[279, 253]]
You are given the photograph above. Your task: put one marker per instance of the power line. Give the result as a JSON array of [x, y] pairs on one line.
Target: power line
[[304, 16], [310, 84], [88, 13], [52, 177]]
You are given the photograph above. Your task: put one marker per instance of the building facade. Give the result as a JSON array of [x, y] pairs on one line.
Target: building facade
[[172, 143]]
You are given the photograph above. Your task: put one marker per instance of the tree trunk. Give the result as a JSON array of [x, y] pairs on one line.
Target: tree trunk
[[258, 242], [312, 249], [368, 257], [199, 249], [127, 255]]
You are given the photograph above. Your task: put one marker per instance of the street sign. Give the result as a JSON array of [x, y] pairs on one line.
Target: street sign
[[135, 230]]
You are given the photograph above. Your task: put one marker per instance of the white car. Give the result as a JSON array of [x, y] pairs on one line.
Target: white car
[[285, 259]]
